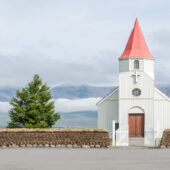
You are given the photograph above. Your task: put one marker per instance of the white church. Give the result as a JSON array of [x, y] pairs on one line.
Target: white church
[[138, 108]]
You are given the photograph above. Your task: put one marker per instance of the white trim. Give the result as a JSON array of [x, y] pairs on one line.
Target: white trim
[[162, 94], [125, 58], [107, 96], [136, 110]]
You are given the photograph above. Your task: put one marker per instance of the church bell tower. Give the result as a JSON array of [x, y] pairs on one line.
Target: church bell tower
[[136, 83], [136, 56]]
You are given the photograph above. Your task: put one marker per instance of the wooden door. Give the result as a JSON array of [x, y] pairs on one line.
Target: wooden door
[[132, 125], [136, 125]]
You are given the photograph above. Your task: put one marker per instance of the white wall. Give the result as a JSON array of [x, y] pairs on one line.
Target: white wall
[[146, 65], [144, 101], [108, 111], [154, 104], [123, 65], [162, 113]]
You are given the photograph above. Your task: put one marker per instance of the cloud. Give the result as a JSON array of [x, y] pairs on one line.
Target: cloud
[[66, 105], [160, 49], [4, 107], [73, 41]]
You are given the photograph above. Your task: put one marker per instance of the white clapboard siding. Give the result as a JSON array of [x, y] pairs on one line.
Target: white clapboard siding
[[161, 113], [108, 111]]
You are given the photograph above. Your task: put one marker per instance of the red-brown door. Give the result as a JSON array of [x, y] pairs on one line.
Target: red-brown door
[[136, 125]]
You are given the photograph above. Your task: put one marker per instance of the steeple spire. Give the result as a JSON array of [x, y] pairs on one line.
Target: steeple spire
[[136, 45]]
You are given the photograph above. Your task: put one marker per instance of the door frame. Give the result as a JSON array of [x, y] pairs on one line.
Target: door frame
[[143, 123]]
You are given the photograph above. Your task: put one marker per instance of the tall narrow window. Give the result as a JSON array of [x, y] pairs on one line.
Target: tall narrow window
[[136, 64]]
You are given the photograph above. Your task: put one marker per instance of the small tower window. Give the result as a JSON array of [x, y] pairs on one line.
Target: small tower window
[[136, 64]]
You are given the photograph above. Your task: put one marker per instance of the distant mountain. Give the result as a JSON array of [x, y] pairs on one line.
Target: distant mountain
[[81, 119], [4, 118], [6, 93], [73, 92]]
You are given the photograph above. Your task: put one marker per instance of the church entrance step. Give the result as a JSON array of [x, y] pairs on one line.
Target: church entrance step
[[136, 141]]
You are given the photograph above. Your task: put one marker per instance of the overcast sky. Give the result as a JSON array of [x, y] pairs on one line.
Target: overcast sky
[[78, 41]]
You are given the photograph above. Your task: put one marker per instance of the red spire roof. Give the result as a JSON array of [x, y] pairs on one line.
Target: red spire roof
[[136, 45]]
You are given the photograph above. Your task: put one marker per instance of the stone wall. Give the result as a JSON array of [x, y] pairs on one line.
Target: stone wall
[[54, 138], [165, 141]]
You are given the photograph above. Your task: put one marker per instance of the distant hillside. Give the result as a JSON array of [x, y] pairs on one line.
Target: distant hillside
[[68, 92], [72, 92], [6, 93], [81, 119]]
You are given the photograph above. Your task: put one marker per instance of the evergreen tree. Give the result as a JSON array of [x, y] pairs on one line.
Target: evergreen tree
[[32, 107]]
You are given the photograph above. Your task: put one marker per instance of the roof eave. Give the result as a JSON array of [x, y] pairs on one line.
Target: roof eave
[[108, 95], [132, 57]]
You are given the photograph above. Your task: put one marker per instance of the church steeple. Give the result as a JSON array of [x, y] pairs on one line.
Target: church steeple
[[136, 45]]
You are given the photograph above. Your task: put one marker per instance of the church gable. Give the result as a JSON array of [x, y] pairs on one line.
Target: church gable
[[127, 84], [113, 95]]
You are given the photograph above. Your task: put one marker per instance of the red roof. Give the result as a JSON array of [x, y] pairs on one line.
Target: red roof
[[136, 45]]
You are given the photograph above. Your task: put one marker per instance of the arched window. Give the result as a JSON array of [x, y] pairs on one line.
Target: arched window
[[136, 64]]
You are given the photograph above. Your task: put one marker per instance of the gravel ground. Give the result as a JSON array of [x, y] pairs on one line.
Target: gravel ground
[[84, 159]]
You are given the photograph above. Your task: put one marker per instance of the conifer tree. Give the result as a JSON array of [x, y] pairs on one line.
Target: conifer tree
[[32, 107]]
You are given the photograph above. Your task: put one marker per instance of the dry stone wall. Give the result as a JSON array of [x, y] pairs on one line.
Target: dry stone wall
[[54, 138], [165, 141]]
